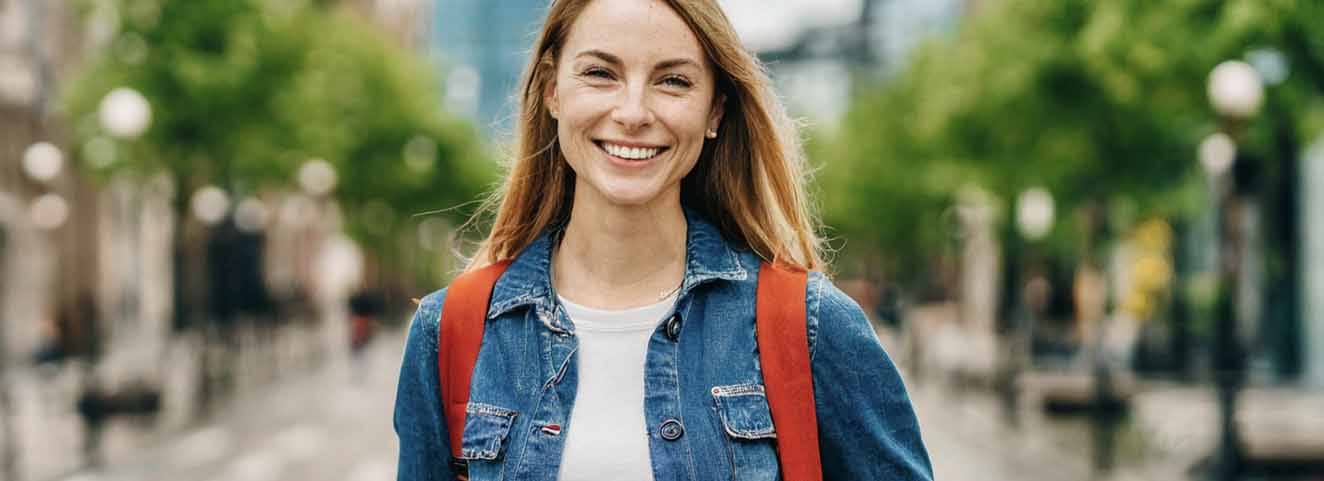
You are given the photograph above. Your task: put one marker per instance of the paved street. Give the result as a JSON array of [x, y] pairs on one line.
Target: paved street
[[328, 425], [331, 425]]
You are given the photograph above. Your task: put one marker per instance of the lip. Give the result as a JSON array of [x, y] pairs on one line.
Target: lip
[[631, 163]]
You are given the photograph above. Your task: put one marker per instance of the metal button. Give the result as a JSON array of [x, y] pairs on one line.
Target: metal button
[[671, 430], [673, 327]]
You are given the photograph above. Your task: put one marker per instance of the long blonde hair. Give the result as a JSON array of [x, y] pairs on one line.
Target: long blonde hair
[[750, 181]]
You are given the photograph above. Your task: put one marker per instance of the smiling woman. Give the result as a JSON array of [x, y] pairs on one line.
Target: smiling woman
[[633, 104], [656, 178]]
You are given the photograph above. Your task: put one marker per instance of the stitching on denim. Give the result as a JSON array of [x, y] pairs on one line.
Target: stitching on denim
[[815, 304], [723, 408], [479, 454], [490, 410], [504, 419], [548, 317], [565, 366], [510, 304], [738, 389]]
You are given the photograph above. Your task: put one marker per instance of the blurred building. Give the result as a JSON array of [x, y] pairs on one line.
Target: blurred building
[[813, 48], [822, 50], [46, 211], [483, 48]]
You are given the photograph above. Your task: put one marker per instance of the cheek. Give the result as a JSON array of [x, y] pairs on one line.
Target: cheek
[[689, 119]]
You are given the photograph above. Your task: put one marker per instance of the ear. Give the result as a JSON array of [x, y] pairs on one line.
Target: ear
[[719, 109], [550, 99]]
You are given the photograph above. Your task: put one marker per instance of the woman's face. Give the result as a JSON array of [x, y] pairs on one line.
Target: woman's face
[[633, 98]]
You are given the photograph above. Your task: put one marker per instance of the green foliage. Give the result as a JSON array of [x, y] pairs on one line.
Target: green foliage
[[243, 92], [1103, 103]]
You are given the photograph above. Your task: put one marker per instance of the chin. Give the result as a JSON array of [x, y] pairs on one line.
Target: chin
[[630, 198], [630, 194]]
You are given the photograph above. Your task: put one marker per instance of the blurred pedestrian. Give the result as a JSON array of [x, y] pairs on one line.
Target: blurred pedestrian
[[657, 179], [365, 308]]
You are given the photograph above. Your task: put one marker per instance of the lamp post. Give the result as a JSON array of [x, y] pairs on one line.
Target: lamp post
[[317, 178], [125, 115], [1236, 93], [1033, 221]]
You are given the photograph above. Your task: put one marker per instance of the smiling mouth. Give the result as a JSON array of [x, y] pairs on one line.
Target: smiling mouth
[[630, 153]]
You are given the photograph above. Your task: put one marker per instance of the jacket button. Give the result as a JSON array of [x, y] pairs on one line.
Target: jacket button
[[673, 327], [671, 430]]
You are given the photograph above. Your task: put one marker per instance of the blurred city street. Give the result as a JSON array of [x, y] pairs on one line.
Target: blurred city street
[[333, 423]]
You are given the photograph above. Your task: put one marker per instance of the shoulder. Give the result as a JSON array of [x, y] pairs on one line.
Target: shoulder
[[828, 310], [833, 314], [426, 322]]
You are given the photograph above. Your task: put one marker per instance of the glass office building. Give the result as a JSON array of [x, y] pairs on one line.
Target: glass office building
[[483, 45]]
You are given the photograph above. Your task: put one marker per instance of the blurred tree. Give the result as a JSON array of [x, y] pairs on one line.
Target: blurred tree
[[1103, 103], [243, 92]]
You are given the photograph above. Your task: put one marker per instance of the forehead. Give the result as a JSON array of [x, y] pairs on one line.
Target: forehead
[[635, 30]]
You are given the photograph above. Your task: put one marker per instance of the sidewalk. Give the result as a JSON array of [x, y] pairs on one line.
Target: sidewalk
[[1169, 430], [332, 424]]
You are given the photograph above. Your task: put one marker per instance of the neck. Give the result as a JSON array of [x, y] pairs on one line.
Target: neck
[[618, 257]]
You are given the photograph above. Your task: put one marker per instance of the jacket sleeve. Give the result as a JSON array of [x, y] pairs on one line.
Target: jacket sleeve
[[866, 425], [418, 419]]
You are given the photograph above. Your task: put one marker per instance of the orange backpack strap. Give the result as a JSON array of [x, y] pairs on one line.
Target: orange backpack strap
[[461, 334], [784, 354]]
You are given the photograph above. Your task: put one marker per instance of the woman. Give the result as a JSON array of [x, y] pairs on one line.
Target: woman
[[655, 170]]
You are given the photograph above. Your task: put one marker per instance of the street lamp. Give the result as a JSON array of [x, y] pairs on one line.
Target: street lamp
[[49, 211], [251, 215], [125, 113], [1236, 90], [317, 177], [1034, 213], [1217, 153], [1236, 93], [1034, 220], [43, 161], [210, 205]]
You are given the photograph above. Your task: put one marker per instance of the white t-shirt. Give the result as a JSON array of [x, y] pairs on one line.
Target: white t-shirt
[[606, 437]]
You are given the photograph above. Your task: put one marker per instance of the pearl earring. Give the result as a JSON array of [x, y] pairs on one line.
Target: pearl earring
[[712, 133]]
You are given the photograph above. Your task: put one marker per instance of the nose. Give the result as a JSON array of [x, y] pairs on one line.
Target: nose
[[631, 111]]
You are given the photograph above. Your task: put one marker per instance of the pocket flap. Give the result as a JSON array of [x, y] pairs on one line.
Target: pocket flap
[[485, 430], [744, 411]]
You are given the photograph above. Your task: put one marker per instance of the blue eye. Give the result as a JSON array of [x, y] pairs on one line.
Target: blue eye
[[676, 81], [597, 72]]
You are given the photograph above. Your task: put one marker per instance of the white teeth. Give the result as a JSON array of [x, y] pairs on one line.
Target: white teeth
[[629, 152]]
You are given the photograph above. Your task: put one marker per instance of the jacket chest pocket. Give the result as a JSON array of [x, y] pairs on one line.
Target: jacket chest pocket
[[750, 434], [486, 433]]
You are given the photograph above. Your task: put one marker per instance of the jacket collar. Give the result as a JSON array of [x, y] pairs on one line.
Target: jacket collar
[[528, 280]]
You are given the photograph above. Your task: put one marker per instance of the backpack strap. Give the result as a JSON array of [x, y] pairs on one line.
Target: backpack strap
[[461, 334], [784, 354]]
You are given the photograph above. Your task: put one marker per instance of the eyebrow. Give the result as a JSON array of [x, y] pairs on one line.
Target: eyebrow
[[616, 61]]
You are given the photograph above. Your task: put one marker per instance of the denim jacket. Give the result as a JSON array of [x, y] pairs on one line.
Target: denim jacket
[[705, 410]]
